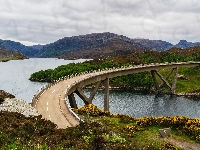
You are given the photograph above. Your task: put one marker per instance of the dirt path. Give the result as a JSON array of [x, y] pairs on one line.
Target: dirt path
[[183, 144]]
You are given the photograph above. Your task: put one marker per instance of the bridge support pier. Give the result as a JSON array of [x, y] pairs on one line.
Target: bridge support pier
[[164, 81], [86, 100], [106, 95], [72, 101]]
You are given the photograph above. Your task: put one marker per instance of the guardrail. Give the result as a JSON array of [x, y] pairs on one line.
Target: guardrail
[[44, 88]]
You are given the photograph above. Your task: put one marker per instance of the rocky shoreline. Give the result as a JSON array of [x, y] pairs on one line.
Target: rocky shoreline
[[19, 106], [9, 103]]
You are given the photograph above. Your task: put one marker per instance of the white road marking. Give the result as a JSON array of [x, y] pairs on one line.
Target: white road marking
[[47, 106], [53, 91]]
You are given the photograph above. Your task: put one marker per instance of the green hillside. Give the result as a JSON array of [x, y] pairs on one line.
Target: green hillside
[[6, 55], [188, 83], [100, 131]]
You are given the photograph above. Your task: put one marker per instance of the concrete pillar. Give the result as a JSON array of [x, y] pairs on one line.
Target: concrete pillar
[[106, 95], [80, 93], [72, 101], [155, 81], [175, 80]]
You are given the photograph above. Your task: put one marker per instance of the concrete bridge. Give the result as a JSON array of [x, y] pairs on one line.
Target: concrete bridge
[[51, 101]]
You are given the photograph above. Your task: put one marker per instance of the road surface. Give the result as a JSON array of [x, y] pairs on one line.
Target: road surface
[[52, 105]]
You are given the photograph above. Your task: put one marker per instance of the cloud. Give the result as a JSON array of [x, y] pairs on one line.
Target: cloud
[[43, 22]]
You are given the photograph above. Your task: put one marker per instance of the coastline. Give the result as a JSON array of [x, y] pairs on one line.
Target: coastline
[[9, 103], [6, 60], [18, 106]]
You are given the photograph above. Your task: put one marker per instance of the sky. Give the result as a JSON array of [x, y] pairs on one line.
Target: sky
[[45, 21]]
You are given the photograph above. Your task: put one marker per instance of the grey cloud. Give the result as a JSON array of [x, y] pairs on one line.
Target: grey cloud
[[36, 21]]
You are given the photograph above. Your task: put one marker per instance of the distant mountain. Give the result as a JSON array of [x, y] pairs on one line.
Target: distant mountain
[[185, 44], [95, 45], [37, 47], [153, 44], [6, 55], [99, 45], [18, 47]]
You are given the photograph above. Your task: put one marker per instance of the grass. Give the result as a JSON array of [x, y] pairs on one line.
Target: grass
[[189, 84], [8, 58], [101, 130], [145, 138], [5, 58], [141, 139]]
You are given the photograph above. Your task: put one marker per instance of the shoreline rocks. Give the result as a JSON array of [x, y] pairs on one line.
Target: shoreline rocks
[[4, 95], [19, 106]]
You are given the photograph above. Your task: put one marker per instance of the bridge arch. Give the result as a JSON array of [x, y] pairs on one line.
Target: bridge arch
[[104, 76], [50, 101]]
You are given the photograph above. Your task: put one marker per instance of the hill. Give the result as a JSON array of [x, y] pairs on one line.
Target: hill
[[102, 45], [36, 47], [99, 45], [101, 131], [188, 82], [95, 45], [18, 47], [185, 44], [6, 55], [158, 45]]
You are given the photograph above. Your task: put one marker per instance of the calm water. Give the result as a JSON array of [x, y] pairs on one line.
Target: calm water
[[14, 79], [138, 104], [14, 75]]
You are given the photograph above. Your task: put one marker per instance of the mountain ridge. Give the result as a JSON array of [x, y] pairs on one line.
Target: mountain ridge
[[18, 47], [94, 45]]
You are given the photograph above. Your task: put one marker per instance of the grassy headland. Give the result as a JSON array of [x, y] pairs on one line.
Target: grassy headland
[[189, 80]]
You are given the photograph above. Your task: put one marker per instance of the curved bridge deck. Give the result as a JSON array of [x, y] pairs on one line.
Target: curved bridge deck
[[51, 101]]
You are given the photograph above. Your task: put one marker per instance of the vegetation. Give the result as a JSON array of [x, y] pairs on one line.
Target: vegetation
[[100, 130], [4, 95], [6, 55], [141, 80]]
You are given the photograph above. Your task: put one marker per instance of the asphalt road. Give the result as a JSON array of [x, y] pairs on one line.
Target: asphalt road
[[52, 107]]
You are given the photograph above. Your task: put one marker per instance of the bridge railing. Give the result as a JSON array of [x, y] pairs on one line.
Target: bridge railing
[[45, 87]]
